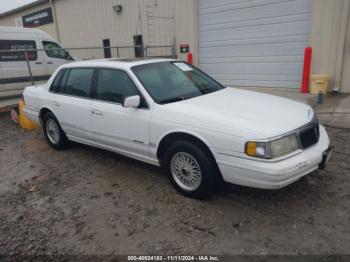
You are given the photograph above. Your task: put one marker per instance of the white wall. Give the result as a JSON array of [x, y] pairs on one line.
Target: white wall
[[345, 84], [10, 19], [86, 23], [328, 30]]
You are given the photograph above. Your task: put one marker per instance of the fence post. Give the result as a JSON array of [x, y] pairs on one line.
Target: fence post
[[173, 49], [29, 69]]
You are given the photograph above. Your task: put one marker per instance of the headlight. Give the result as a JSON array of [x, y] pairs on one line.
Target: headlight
[[273, 149]]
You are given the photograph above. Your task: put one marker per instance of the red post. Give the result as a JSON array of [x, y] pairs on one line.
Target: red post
[[306, 70], [190, 58]]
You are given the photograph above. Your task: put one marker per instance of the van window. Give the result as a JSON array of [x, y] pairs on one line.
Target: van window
[[54, 50], [79, 82], [14, 45]]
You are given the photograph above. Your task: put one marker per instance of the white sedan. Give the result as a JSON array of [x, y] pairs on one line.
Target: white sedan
[[169, 113]]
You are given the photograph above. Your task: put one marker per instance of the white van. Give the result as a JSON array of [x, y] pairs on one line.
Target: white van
[[13, 66]]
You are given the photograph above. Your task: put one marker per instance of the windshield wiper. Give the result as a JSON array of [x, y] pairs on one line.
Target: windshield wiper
[[206, 91], [173, 99]]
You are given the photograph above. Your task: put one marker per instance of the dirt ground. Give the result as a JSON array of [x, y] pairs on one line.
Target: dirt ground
[[89, 201]]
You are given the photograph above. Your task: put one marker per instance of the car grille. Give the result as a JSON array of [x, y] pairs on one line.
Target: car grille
[[309, 135]]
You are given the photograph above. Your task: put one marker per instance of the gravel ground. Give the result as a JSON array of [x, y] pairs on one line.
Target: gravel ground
[[89, 201]]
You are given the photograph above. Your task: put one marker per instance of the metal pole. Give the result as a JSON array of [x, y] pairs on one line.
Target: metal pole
[[174, 48], [28, 65], [117, 51], [306, 70]]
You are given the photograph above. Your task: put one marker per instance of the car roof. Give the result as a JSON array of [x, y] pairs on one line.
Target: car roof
[[116, 62]]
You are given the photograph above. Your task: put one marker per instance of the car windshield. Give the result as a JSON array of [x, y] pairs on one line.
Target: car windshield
[[169, 82]]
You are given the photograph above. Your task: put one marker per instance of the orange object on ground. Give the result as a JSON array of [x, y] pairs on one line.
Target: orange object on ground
[[23, 121]]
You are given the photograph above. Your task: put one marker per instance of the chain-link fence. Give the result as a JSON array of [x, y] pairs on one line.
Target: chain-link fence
[[22, 67]]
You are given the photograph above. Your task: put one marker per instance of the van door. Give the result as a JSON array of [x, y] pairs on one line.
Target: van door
[[14, 63], [55, 55]]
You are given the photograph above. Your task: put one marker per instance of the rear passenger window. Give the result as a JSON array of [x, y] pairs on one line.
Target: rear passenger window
[[55, 86], [79, 82]]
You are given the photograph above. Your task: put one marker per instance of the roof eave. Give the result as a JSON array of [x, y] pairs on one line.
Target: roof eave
[[23, 7]]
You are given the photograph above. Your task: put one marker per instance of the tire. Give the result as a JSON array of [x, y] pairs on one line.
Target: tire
[[53, 132], [185, 159]]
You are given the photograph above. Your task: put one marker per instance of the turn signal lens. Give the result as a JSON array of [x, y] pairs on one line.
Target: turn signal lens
[[251, 149]]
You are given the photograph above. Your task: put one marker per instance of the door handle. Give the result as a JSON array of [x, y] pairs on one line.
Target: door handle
[[56, 103], [38, 63], [97, 112], [50, 63]]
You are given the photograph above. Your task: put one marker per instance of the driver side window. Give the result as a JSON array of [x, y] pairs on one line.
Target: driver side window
[[52, 49], [114, 85]]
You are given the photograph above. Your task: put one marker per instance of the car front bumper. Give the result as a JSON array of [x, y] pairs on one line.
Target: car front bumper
[[275, 175]]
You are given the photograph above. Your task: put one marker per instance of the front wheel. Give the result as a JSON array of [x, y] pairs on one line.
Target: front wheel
[[191, 170]]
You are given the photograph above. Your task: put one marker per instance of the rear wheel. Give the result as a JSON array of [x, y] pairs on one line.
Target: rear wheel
[[191, 170], [53, 132]]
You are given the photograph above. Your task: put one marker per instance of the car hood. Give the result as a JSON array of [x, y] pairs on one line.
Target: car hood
[[237, 111]]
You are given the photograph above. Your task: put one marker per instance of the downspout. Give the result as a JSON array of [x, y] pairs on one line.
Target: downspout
[[341, 51], [196, 38], [52, 3]]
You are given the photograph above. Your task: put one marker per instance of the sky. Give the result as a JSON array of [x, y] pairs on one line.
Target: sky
[[6, 5]]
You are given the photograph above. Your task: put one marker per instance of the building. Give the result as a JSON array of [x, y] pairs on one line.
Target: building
[[244, 43]]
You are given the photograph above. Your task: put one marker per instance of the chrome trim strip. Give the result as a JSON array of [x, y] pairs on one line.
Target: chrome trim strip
[[120, 138]]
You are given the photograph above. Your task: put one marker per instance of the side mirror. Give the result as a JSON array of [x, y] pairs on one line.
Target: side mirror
[[132, 101], [68, 56]]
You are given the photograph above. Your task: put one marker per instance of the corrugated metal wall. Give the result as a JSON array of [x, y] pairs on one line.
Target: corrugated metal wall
[[254, 43], [86, 23]]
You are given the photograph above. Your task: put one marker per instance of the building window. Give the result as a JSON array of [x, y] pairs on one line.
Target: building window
[[138, 43], [107, 48]]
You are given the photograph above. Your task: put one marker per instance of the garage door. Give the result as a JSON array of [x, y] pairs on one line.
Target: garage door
[[254, 43]]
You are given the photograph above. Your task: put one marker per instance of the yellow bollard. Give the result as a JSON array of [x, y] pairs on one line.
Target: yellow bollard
[[23, 121]]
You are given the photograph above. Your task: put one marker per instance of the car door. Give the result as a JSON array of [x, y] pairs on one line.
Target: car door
[[72, 102], [55, 55], [112, 125]]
